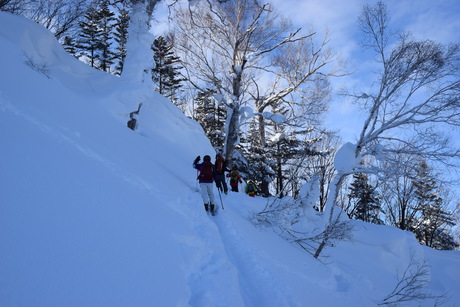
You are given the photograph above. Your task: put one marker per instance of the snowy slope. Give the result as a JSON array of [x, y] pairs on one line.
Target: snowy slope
[[94, 214]]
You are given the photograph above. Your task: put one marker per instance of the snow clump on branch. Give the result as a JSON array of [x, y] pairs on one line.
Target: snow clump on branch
[[345, 159]]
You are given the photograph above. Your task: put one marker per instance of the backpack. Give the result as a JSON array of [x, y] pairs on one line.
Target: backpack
[[251, 187], [234, 175], [220, 166], [206, 171]]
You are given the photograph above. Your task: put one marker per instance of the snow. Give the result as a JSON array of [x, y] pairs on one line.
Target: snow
[[95, 214], [310, 194], [345, 160], [278, 137], [277, 118], [139, 57], [246, 112]]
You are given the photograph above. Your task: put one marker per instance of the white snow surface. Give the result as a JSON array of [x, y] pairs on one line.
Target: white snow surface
[[345, 160], [95, 214]]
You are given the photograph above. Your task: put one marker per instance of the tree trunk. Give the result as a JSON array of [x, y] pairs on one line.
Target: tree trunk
[[231, 138], [264, 188], [261, 128], [233, 124], [279, 175]]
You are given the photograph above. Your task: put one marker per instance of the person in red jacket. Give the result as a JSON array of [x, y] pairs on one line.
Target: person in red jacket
[[206, 180], [220, 167], [234, 178]]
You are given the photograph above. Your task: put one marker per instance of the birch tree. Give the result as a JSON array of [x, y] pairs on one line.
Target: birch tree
[[414, 100], [415, 95], [227, 46]]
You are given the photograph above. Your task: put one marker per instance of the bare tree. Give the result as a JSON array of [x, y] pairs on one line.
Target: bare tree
[[417, 89], [59, 16], [227, 46], [416, 94], [336, 230], [410, 285], [17, 7], [323, 165], [300, 82]]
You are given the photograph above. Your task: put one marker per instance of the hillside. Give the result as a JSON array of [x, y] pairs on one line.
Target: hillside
[[95, 214]]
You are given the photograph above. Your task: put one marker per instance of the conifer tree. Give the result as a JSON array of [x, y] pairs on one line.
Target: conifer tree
[[96, 36], [70, 46], [106, 22], [431, 227], [259, 166], [283, 149], [89, 37], [366, 203], [275, 154], [166, 72], [121, 37], [211, 116]]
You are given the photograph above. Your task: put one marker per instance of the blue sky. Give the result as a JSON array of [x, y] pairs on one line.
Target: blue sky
[[437, 20]]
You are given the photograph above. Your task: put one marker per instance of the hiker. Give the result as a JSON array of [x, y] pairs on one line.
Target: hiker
[[220, 167], [234, 178], [206, 179], [251, 188]]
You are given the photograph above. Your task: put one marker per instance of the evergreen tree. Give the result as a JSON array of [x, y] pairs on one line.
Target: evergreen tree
[[259, 167], [121, 37], [166, 72], [283, 149], [366, 203], [105, 19], [267, 142], [96, 36], [275, 152], [70, 46], [431, 227], [292, 153], [444, 240], [211, 116], [89, 37], [289, 146]]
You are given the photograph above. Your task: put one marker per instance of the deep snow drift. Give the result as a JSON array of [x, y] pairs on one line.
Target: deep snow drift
[[94, 214]]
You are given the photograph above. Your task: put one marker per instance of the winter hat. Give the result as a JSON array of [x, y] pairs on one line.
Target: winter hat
[[206, 158]]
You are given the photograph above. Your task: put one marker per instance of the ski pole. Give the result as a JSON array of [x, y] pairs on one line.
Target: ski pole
[[220, 196]]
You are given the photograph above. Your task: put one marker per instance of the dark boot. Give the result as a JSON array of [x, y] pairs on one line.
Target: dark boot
[[206, 207], [212, 210]]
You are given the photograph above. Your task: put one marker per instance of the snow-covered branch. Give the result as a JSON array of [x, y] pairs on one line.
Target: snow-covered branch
[[418, 89]]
